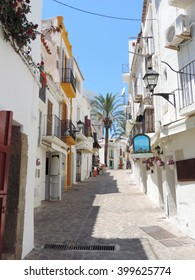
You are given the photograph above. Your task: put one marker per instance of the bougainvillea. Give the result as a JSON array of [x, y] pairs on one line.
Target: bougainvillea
[[17, 29], [20, 32]]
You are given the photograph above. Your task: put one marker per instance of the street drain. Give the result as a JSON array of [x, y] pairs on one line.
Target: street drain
[[80, 247]]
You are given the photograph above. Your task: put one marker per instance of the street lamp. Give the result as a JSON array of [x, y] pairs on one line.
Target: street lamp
[[79, 125], [150, 79]]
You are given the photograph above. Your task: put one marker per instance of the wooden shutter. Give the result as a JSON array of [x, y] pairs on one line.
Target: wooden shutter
[[49, 117], [149, 120], [186, 170]]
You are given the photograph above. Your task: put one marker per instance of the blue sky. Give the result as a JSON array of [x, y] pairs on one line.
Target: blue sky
[[100, 44]]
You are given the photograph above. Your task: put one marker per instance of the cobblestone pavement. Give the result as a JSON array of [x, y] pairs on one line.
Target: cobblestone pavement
[[107, 210]]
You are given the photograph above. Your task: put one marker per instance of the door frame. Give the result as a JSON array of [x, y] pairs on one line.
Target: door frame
[[6, 118]]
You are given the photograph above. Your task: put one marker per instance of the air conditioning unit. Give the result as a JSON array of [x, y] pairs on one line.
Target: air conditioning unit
[[180, 3], [178, 31]]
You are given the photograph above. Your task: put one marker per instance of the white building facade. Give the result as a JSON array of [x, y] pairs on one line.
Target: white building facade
[[84, 137], [64, 150], [56, 137], [166, 112], [19, 94], [117, 153]]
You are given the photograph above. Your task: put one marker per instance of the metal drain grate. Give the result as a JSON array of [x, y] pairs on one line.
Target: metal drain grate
[[80, 247]]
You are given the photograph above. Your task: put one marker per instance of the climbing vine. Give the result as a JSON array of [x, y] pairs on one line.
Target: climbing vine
[[17, 29], [15, 25]]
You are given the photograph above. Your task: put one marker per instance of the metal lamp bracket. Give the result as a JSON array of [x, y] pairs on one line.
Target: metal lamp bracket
[[166, 96]]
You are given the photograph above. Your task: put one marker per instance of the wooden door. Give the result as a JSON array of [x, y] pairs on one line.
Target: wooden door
[[5, 140]]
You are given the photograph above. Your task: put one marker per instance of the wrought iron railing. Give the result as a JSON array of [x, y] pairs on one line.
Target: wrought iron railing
[[68, 77], [53, 126], [68, 129], [186, 85]]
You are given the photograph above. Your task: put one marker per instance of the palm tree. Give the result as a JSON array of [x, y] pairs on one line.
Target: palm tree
[[106, 110], [120, 130]]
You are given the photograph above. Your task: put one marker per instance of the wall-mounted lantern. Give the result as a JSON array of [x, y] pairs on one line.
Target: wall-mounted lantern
[[151, 79]]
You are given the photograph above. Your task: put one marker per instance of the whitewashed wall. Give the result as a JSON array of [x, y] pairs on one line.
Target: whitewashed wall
[[19, 93]]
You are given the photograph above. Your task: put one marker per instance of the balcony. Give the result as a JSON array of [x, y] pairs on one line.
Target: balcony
[[68, 83], [83, 143], [58, 132], [68, 132], [186, 84], [80, 135]]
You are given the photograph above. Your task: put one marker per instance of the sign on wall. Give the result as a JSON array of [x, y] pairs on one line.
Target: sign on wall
[[141, 144]]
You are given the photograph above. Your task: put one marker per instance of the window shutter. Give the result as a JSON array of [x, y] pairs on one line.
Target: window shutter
[[149, 120]]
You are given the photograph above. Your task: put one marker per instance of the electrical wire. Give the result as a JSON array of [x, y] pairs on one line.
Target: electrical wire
[[96, 14]]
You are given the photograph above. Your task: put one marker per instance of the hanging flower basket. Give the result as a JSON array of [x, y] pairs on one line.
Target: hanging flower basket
[[160, 163], [171, 164], [149, 162]]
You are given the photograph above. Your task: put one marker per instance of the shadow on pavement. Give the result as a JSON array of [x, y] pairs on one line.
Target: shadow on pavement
[[81, 218]]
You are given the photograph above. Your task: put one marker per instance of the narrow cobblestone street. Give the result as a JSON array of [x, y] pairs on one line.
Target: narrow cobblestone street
[[107, 210]]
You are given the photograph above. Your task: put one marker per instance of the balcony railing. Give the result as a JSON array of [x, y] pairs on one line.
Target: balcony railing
[[186, 84], [53, 126], [68, 77], [68, 129]]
